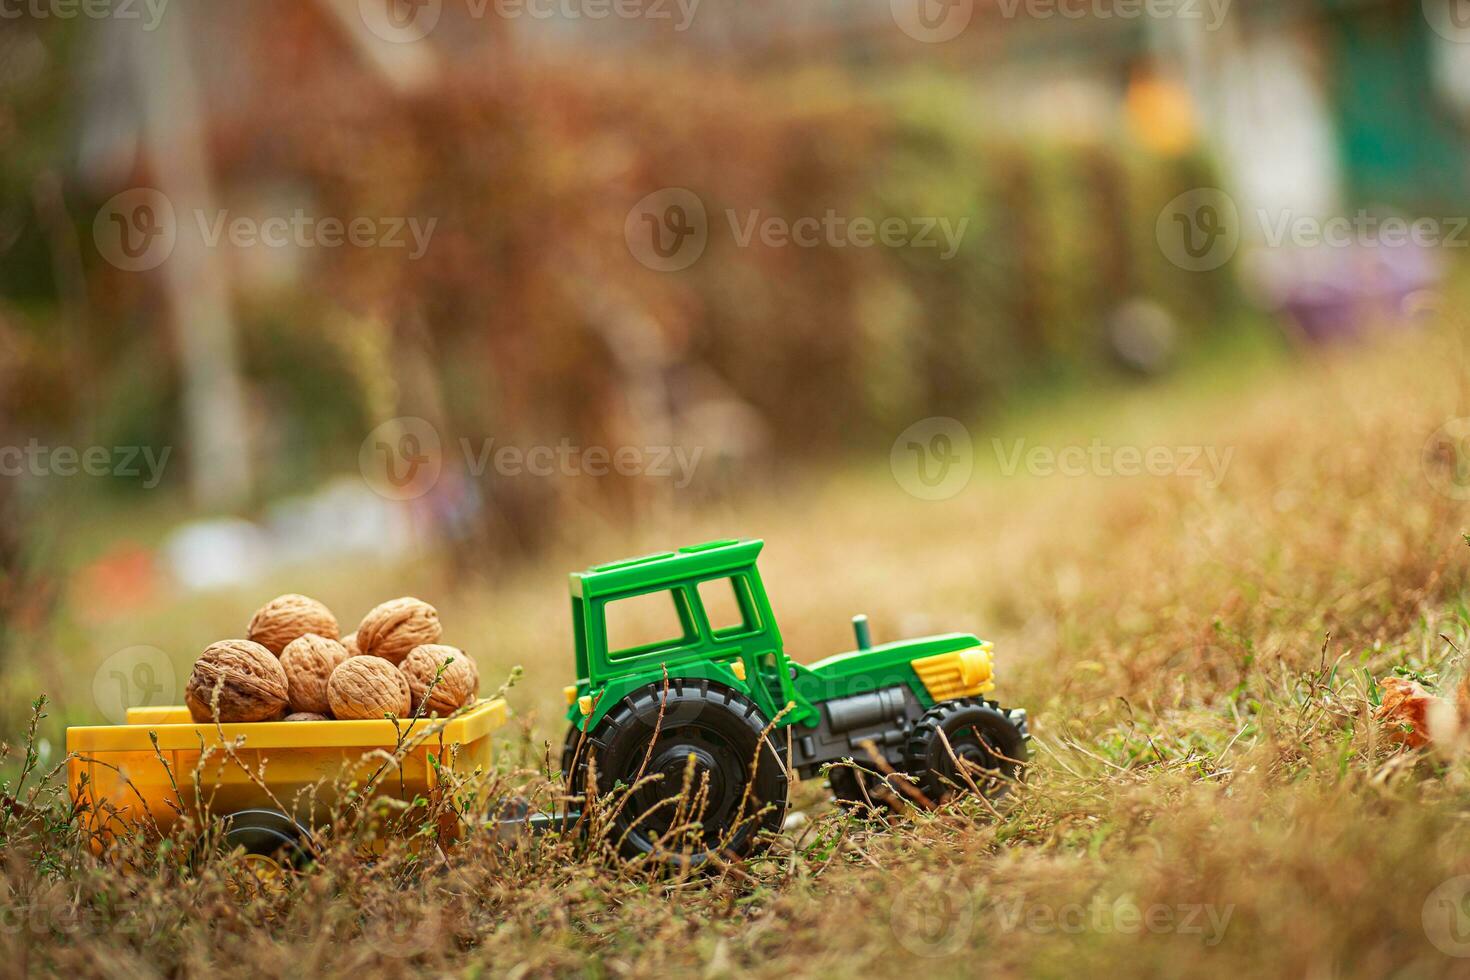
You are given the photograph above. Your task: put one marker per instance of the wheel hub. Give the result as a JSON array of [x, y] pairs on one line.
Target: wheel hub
[[680, 761], [683, 759], [971, 748]]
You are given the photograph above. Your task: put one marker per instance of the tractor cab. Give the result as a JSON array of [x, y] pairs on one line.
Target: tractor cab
[[699, 612]]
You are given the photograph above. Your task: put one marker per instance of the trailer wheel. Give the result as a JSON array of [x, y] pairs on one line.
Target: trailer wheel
[[641, 754], [989, 746], [268, 838]]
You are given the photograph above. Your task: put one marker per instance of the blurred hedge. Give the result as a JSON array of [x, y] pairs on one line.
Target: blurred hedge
[[528, 320]]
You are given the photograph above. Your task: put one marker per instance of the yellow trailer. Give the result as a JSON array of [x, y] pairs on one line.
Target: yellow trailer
[[124, 782]]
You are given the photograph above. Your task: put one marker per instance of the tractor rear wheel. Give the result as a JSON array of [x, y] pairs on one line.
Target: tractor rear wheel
[[988, 746], [573, 751], [694, 770]]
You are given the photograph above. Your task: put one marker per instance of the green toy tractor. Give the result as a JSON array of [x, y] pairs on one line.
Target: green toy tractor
[[702, 726]]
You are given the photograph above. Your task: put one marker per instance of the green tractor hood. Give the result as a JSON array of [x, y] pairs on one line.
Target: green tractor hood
[[935, 668]]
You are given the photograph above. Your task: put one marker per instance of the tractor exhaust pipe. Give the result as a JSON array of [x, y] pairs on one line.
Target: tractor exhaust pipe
[[861, 632]]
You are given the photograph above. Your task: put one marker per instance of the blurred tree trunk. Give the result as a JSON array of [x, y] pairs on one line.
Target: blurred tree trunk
[[213, 395], [26, 597], [10, 563]]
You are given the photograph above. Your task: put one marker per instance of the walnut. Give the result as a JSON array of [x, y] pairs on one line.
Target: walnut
[[287, 617], [367, 687], [306, 716], [250, 680], [309, 661], [349, 643], [394, 628], [457, 686]]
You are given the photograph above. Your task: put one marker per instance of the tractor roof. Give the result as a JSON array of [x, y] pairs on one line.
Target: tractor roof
[[666, 567]]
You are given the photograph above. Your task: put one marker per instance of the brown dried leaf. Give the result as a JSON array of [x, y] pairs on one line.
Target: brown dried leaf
[[1405, 703]]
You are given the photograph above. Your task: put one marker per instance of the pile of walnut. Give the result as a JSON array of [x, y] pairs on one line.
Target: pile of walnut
[[295, 666]]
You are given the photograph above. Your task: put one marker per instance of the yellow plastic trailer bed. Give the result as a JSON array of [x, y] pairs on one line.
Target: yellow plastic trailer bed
[[124, 782]]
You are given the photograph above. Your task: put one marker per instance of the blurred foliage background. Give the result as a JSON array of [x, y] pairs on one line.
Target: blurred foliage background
[[1139, 191], [1055, 143]]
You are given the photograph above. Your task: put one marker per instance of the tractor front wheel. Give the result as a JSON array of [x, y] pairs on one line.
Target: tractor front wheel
[[985, 750], [693, 769], [863, 792]]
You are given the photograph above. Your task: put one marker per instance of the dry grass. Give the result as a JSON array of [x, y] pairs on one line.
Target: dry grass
[[1209, 794]]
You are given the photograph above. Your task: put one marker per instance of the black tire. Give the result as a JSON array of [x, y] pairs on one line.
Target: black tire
[[266, 834], [275, 848], [724, 730], [574, 751], [575, 740], [980, 735]]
